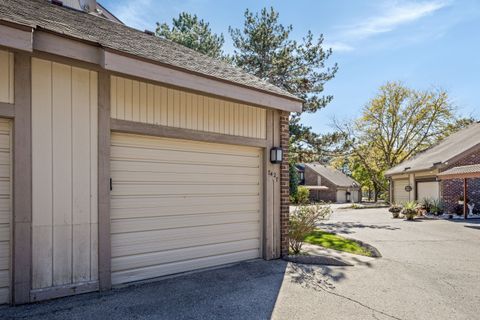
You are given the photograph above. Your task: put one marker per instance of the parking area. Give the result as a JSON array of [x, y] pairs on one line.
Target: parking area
[[429, 270]]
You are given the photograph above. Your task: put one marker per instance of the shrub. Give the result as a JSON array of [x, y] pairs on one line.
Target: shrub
[[437, 207], [426, 204], [303, 195], [410, 210], [395, 209], [303, 222]]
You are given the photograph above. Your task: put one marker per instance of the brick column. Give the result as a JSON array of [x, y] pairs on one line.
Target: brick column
[[284, 183]]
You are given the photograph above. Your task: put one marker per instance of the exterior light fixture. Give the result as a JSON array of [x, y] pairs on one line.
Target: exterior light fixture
[[276, 155]]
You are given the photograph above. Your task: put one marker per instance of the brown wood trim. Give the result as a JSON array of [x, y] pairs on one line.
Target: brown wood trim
[[22, 180], [7, 110], [16, 38], [179, 133], [62, 46], [104, 243], [268, 245], [63, 291]]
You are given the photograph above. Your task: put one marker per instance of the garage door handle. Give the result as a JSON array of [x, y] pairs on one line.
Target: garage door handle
[[111, 184]]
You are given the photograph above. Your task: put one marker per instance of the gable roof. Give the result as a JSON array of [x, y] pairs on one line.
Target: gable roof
[[440, 154], [41, 14], [336, 177]]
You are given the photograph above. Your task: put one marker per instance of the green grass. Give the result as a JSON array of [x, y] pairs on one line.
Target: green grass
[[336, 242]]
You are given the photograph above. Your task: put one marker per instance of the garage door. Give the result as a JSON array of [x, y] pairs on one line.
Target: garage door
[[5, 210], [341, 196], [399, 193], [179, 205], [428, 190]]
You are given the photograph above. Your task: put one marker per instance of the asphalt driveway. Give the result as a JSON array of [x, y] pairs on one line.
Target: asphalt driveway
[[429, 270]]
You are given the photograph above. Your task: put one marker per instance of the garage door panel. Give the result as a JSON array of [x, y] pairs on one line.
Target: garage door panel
[[151, 189], [158, 143], [151, 259], [185, 178], [5, 210], [139, 166], [160, 156], [182, 266], [179, 205], [154, 241], [136, 208], [181, 221]]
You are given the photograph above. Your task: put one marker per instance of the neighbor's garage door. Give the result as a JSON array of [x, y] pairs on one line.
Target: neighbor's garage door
[[427, 190], [5, 210], [179, 205], [399, 193], [341, 196]]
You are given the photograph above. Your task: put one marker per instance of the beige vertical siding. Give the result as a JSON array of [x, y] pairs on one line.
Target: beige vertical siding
[[5, 210], [6, 76], [143, 102], [179, 205], [64, 173]]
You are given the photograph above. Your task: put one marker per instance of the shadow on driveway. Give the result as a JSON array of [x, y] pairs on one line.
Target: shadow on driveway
[[246, 290], [347, 227]]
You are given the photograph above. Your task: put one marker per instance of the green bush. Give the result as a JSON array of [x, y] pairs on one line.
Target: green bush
[[303, 195], [303, 222]]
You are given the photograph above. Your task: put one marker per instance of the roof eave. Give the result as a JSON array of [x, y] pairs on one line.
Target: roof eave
[[28, 38]]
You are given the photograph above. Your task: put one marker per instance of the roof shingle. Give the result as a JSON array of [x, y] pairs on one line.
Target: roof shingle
[[334, 176], [441, 153], [41, 14]]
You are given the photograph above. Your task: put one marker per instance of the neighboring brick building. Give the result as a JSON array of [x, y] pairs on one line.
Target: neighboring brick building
[[330, 185], [439, 172]]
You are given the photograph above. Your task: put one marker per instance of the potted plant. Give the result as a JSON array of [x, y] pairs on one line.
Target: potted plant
[[461, 201], [410, 210], [395, 209]]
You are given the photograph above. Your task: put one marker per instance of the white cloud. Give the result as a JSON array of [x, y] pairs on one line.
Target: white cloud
[[394, 16], [338, 46]]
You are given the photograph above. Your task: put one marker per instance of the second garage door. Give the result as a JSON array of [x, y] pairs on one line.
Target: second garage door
[[179, 205], [428, 190]]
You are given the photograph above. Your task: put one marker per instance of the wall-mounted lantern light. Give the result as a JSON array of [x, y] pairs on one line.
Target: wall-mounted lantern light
[[276, 155]]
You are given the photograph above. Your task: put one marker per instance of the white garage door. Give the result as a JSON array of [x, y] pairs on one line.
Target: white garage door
[[341, 196], [427, 190], [399, 194], [5, 210], [179, 205]]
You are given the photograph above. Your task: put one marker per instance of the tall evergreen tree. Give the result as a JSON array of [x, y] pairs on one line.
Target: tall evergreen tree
[[264, 48], [194, 33]]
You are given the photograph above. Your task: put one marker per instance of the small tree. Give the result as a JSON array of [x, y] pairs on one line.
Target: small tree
[[294, 181], [303, 195], [303, 222]]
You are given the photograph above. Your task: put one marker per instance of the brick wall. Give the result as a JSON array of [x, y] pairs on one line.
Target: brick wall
[[453, 189], [284, 183]]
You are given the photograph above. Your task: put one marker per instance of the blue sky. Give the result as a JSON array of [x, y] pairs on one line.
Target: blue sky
[[425, 44]]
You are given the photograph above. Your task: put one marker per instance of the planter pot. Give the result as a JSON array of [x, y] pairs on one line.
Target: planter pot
[[410, 216], [395, 215], [461, 203]]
